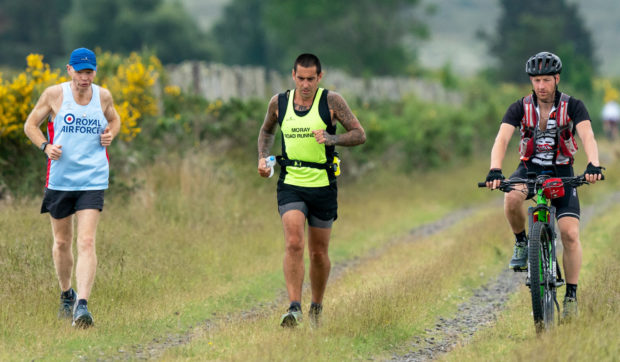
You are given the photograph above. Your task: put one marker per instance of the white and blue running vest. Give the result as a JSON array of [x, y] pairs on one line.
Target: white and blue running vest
[[83, 164]]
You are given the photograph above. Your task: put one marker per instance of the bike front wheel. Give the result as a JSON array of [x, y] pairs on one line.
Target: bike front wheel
[[542, 285]]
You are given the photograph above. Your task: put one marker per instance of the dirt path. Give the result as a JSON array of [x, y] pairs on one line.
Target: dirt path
[[478, 312], [157, 346], [481, 310]]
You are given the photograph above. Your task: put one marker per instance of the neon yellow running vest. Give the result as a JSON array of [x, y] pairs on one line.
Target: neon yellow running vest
[[300, 144]]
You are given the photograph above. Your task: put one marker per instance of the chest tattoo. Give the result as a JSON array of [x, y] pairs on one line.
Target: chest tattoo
[[300, 108]]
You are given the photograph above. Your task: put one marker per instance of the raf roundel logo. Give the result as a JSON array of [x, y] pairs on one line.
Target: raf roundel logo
[[69, 118]]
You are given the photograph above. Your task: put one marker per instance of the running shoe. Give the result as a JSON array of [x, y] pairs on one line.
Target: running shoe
[[82, 317], [314, 314], [291, 319], [570, 310], [519, 258], [67, 303]]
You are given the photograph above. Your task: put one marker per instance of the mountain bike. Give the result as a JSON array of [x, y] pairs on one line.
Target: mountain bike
[[544, 275]]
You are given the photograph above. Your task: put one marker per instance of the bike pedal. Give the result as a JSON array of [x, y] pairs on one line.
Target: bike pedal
[[559, 282], [517, 270]]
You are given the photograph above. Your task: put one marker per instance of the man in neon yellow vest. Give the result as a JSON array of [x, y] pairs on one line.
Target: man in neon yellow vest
[[307, 116]]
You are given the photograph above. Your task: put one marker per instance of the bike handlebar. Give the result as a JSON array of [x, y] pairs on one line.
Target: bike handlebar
[[506, 185]]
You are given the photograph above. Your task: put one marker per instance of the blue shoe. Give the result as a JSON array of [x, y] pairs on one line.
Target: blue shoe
[[65, 311], [82, 317], [519, 258]]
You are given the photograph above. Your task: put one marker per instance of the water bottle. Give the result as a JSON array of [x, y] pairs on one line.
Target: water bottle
[[271, 162], [336, 164]]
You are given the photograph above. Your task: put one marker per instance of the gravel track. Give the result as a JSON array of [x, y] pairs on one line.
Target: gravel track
[[157, 346], [477, 312], [481, 310]]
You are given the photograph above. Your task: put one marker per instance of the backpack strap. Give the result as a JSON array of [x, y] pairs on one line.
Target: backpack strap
[[530, 117], [282, 104], [528, 128], [562, 118], [565, 140]]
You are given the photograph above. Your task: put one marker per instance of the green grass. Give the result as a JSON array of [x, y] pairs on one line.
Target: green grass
[[593, 336], [376, 306], [201, 239]]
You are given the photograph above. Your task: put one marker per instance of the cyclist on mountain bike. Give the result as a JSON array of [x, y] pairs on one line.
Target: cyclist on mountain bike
[[307, 116], [547, 120]]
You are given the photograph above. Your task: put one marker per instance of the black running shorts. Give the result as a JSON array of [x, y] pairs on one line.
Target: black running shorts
[[567, 205], [319, 204], [61, 204]]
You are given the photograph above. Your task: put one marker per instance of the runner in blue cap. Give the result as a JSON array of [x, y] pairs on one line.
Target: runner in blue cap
[[81, 123]]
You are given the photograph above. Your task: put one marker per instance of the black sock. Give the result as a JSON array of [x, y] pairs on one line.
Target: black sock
[[82, 302], [316, 305], [571, 291], [521, 237], [66, 294], [295, 305]]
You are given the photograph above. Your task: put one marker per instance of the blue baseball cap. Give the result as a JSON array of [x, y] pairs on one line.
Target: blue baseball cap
[[82, 58]]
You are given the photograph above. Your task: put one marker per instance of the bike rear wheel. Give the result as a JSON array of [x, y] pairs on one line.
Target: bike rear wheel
[[542, 285]]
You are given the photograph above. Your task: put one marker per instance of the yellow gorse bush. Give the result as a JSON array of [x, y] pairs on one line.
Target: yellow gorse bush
[[132, 86], [18, 96], [610, 93], [131, 82], [172, 90]]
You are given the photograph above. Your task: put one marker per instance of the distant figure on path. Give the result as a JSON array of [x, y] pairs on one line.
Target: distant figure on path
[[611, 118]]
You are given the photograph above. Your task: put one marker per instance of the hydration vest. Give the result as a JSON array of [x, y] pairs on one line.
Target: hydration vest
[[565, 143], [305, 162]]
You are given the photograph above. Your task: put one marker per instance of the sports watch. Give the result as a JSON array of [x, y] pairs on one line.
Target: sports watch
[[43, 145]]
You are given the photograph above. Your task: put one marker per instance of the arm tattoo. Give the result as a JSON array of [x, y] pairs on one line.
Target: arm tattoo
[[331, 139], [355, 134], [267, 133]]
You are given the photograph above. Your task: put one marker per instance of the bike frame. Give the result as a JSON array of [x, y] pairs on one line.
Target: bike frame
[[541, 245], [545, 213]]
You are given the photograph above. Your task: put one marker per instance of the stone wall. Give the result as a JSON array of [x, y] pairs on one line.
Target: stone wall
[[218, 81]]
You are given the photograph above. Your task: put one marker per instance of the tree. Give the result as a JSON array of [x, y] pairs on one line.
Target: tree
[[129, 25], [174, 35], [30, 26], [527, 27], [363, 37], [241, 34]]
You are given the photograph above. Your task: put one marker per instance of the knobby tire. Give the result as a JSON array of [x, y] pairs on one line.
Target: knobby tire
[[539, 264]]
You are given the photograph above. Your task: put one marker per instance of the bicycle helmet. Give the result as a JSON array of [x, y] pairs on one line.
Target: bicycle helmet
[[543, 63]]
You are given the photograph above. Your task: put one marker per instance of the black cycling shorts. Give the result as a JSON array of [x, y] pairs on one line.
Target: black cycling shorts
[[567, 205], [61, 204], [319, 204]]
